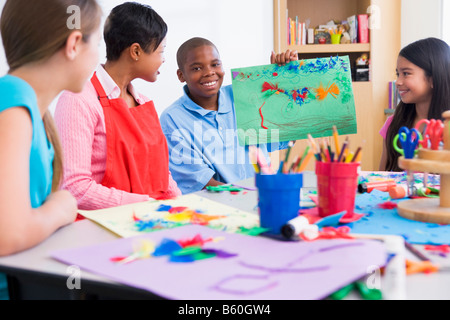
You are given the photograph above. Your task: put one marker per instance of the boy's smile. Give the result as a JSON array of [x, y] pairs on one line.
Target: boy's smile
[[203, 74]]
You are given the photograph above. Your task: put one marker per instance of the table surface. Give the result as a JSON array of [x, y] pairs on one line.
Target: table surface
[[37, 261]]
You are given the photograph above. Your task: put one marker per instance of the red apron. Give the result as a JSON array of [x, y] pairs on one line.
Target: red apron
[[137, 158]]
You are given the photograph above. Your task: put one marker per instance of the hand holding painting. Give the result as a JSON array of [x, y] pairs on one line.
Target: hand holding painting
[[283, 58]]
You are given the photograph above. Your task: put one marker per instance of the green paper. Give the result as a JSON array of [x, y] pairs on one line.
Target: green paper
[[252, 231], [342, 293], [283, 103], [222, 188], [187, 251], [203, 255]]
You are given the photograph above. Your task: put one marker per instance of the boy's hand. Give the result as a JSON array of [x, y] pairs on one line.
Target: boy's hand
[[283, 58]]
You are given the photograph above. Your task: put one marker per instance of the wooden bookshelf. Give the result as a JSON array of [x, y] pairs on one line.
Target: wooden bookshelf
[[332, 48], [371, 97]]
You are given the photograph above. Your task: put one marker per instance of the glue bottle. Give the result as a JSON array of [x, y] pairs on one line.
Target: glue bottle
[[401, 191], [294, 227]]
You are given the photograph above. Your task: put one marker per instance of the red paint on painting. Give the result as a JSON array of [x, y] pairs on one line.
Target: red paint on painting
[[262, 117]]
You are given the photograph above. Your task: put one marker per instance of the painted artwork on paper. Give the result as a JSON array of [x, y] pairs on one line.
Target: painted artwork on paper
[[281, 103], [144, 217]]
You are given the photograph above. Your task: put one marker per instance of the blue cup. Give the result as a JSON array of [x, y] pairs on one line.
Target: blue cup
[[278, 199]]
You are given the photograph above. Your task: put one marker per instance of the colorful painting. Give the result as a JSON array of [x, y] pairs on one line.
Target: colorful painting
[[144, 217], [282, 103]]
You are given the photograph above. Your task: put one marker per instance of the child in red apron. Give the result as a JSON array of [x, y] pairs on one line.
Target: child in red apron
[[114, 147]]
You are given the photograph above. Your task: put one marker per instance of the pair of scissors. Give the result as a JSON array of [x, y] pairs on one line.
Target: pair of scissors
[[409, 140], [433, 133]]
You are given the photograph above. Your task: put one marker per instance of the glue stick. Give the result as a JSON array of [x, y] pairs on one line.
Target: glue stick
[[294, 227]]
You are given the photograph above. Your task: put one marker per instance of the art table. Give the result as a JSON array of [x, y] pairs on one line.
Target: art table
[[35, 274]]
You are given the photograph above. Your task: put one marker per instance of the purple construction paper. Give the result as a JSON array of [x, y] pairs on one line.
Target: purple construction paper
[[264, 269]]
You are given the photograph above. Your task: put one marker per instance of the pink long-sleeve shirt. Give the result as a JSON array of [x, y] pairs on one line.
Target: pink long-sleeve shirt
[[81, 126]]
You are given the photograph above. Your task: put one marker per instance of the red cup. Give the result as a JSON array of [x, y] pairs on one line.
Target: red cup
[[337, 184]]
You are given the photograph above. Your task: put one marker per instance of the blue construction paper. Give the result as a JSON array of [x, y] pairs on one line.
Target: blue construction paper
[[166, 247], [387, 221], [330, 221]]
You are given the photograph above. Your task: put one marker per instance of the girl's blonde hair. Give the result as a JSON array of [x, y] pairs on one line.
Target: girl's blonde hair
[[33, 31]]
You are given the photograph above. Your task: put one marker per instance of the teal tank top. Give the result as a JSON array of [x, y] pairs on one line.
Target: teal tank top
[[15, 92]]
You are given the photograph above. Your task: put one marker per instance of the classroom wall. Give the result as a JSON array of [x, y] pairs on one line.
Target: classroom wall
[[241, 30], [243, 33], [446, 21], [422, 19]]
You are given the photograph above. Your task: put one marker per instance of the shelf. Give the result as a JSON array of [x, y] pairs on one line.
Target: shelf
[[362, 85], [385, 43], [332, 48]]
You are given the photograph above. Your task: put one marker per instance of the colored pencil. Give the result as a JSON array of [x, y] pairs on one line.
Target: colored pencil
[[305, 153], [336, 140], [357, 153], [305, 161], [314, 146], [344, 146]]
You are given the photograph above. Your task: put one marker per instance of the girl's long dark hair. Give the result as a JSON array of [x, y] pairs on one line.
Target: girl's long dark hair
[[433, 56]]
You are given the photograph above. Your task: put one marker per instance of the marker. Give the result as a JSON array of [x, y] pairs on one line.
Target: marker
[[383, 185], [290, 145]]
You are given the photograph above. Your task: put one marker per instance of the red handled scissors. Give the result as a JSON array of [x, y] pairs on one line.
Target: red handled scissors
[[433, 134]]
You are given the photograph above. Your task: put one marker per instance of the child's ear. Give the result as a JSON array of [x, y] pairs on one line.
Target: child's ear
[[73, 43], [180, 76], [135, 51]]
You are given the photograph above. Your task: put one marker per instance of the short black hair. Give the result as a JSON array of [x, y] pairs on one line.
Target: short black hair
[[129, 23], [190, 45]]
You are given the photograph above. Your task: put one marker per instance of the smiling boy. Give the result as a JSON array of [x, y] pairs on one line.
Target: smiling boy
[[200, 127]]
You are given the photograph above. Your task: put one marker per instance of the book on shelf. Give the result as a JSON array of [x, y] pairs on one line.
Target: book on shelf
[[296, 32], [353, 31], [394, 96], [363, 28]]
